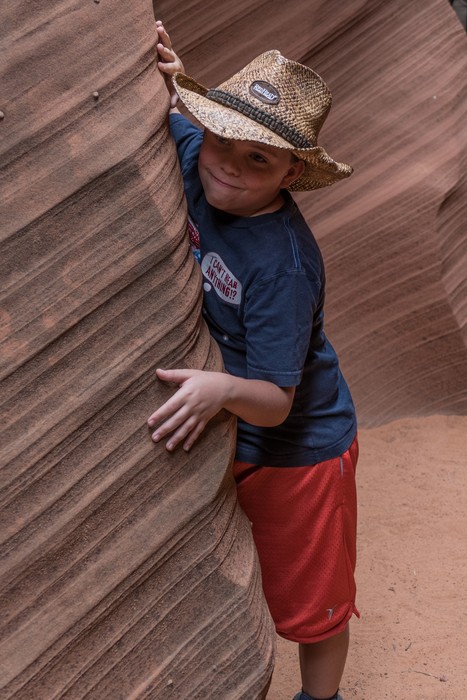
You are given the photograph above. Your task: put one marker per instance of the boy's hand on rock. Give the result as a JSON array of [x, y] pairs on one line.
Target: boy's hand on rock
[[169, 63], [200, 396]]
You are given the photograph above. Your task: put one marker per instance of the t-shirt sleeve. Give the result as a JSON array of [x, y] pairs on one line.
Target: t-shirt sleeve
[[278, 319], [188, 139]]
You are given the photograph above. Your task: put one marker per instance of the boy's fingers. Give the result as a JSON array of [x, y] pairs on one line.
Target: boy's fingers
[[185, 430], [164, 413], [168, 409], [165, 39], [193, 436], [178, 376], [171, 424], [164, 67]]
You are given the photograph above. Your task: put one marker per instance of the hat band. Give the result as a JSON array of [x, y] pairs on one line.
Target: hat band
[[275, 124]]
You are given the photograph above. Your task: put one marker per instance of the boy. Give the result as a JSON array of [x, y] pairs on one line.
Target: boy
[[263, 282]]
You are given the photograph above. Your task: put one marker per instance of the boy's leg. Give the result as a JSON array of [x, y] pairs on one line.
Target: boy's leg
[[322, 664], [304, 527]]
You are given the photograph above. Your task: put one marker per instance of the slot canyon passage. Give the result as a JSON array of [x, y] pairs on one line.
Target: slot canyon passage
[[127, 573]]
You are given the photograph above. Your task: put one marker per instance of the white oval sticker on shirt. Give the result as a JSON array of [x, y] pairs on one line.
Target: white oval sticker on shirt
[[223, 281]]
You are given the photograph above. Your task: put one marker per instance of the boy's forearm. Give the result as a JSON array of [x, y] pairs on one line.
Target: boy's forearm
[[201, 395], [258, 402]]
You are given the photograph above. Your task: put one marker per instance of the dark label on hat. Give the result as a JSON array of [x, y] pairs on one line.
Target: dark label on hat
[[265, 92]]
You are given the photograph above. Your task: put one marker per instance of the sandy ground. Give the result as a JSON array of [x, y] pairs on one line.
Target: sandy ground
[[411, 640]]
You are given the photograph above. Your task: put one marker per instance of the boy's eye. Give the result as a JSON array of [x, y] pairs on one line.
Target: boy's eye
[[222, 140], [258, 158]]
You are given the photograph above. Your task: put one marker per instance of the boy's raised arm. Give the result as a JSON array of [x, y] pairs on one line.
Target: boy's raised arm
[[169, 63]]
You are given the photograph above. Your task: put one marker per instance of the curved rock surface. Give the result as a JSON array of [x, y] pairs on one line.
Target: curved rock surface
[[126, 571]]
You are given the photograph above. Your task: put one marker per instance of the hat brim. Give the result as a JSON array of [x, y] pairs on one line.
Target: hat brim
[[320, 169]]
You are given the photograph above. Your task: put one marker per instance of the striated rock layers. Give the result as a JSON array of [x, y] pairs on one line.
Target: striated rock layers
[[126, 571]]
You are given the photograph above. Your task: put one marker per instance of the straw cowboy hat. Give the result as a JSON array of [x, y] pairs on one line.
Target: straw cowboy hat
[[275, 101]]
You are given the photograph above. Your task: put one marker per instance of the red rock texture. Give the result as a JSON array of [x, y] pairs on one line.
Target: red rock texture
[[126, 571]]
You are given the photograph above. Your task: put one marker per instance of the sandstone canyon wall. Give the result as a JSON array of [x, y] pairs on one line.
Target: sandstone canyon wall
[[126, 571]]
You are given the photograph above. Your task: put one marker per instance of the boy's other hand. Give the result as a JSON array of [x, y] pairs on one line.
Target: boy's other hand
[[169, 63], [200, 396]]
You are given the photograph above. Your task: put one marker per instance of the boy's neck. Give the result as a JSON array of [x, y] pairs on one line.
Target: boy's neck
[[276, 204]]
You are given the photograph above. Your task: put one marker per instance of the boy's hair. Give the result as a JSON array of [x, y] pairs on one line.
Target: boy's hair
[[275, 101]]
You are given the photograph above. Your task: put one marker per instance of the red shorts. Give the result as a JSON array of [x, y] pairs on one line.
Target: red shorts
[[304, 523]]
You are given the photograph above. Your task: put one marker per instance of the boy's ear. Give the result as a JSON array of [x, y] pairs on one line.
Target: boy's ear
[[294, 172]]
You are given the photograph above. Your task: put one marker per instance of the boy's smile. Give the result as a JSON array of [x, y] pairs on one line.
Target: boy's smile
[[245, 178]]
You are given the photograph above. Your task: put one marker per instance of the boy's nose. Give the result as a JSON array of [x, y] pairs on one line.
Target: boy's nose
[[231, 166]]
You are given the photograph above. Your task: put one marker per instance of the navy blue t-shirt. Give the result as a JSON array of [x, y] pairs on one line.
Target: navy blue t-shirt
[[263, 297]]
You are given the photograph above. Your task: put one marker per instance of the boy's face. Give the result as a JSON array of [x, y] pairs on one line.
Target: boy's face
[[245, 178]]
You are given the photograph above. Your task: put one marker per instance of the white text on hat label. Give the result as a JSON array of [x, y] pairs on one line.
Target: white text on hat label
[[224, 282], [265, 92]]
